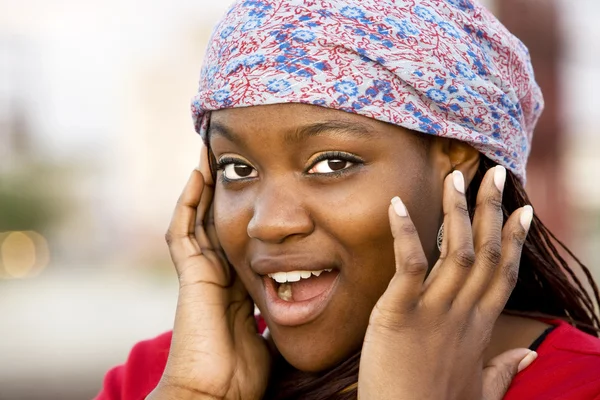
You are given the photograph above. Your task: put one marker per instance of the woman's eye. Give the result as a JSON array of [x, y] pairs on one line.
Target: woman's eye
[[234, 171], [329, 166]]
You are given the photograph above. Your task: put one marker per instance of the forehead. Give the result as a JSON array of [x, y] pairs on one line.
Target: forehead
[[296, 121], [286, 114]]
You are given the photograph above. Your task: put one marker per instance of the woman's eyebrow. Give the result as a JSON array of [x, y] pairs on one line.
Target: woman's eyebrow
[[217, 129], [341, 129], [330, 128]]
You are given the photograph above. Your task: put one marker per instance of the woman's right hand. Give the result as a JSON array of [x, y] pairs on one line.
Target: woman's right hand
[[216, 351]]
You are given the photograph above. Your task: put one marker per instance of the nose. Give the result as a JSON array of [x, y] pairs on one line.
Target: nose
[[279, 214]]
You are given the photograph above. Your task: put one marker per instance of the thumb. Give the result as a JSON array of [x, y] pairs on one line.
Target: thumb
[[500, 371]]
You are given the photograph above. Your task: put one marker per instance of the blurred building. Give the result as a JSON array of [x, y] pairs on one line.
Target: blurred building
[[15, 135], [538, 25]]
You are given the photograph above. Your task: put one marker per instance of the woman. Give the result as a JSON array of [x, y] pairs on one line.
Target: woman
[[315, 114]]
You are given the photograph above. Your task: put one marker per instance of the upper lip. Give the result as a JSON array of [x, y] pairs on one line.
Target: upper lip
[[269, 265]]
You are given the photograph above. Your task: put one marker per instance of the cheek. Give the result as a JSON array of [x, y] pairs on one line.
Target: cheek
[[351, 220], [356, 219]]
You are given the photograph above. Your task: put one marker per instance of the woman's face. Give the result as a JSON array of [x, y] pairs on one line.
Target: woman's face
[[302, 190]]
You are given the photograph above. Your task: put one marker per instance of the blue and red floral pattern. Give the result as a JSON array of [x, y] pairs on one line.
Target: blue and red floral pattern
[[442, 67]]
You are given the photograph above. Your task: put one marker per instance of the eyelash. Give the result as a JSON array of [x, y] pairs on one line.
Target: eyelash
[[330, 155], [336, 155], [223, 162]]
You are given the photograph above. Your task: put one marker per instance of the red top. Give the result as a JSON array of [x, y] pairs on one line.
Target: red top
[[567, 368]]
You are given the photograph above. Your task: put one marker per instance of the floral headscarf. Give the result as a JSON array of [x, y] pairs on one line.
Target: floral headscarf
[[442, 67]]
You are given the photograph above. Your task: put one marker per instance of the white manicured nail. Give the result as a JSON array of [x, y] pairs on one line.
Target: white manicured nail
[[526, 217], [499, 177], [526, 361], [459, 181], [399, 207]]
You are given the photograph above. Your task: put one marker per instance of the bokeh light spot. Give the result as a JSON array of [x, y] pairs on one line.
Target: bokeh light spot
[[23, 254]]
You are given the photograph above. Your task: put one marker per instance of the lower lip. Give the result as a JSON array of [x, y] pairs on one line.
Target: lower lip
[[294, 313]]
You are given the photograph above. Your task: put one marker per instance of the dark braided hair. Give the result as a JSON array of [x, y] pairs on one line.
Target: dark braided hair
[[547, 288]]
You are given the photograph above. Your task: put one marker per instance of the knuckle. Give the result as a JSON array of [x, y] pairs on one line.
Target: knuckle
[[388, 318], [499, 381], [408, 229], [511, 275], [491, 201], [414, 264], [505, 377], [464, 258], [518, 239], [180, 201], [498, 384], [169, 237], [461, 207], [463, 330], [490, 253]]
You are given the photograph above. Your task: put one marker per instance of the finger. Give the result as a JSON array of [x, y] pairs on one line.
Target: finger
[[214, 249], [501, 370], [205, 227], [458, 255], [487, 232], [411, 263], [505, 277], [206, 199], [205, 165], [204, 218], [206, 234], [180, 235]]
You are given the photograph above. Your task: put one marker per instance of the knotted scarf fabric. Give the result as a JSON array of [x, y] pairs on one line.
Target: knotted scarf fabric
[[441, 67]]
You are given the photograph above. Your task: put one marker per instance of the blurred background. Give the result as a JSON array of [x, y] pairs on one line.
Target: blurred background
[[96, 142]]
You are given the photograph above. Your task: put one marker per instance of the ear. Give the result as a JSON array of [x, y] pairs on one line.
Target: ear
[[462, 157]]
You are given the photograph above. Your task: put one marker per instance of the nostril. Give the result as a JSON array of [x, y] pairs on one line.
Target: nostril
[[278, 223]]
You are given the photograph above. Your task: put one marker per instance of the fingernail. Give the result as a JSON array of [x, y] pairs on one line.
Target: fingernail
[[198, 169], [499, 177], [526, 217], [399, 207], [459, 181], [527, 360]]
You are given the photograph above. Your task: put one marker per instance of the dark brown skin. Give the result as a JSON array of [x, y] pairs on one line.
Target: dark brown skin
[[342, 219], [285, 208]]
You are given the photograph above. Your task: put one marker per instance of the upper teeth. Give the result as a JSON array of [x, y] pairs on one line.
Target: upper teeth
[[295, 276]]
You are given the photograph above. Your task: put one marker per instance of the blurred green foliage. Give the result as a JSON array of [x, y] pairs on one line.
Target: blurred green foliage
[[30, 198]]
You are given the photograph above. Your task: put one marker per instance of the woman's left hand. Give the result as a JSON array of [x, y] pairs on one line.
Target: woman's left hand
[[427, 333]]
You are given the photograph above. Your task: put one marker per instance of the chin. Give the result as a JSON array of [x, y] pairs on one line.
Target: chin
[[310, 350], [313, 360]]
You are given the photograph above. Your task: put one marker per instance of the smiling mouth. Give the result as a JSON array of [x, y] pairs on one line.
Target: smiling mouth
[[293, 301], [299, 286]]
